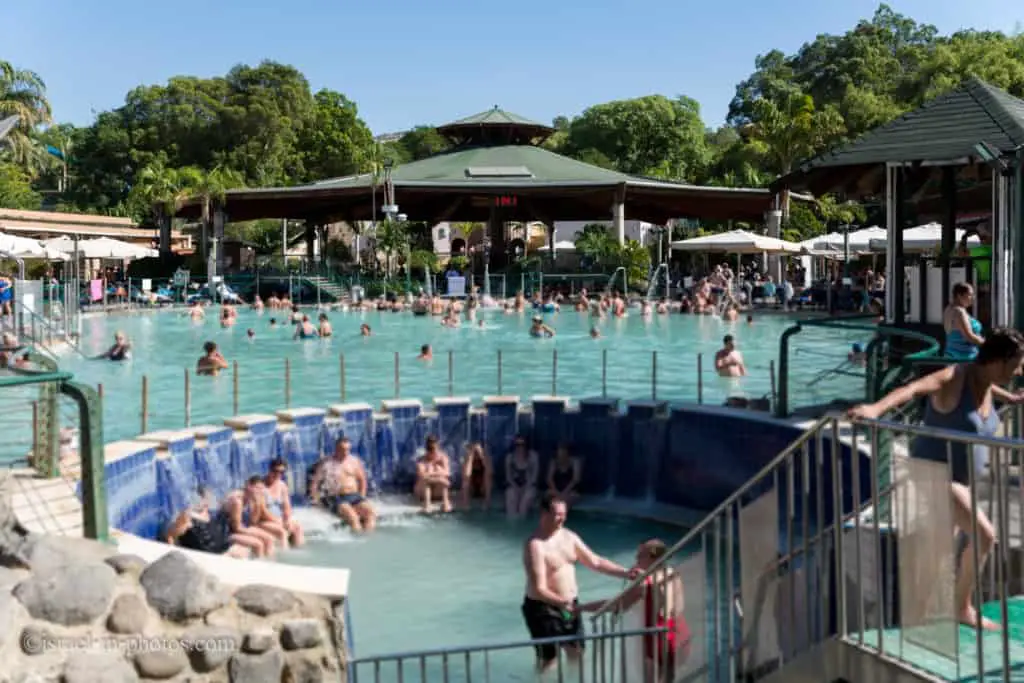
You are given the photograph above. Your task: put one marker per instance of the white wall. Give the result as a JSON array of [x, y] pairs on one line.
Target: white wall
[[635, 230]]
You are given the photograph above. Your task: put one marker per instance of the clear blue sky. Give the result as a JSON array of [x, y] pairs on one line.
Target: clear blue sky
[[410, 62]]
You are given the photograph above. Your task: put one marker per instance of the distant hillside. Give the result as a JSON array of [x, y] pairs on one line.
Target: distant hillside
[[389, 137]]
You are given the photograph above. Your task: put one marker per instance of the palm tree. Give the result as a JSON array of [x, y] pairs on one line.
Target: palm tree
[[207, 188], [23, 94], [595, 241]]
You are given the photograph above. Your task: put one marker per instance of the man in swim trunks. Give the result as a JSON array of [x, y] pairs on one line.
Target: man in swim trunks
[[212, 362], [729, 361], [550, 607], [344, 480]]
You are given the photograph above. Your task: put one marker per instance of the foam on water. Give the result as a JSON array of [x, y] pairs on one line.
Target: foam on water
[[322, 526]]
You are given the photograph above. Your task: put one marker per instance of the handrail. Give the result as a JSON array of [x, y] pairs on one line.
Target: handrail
[[714, 514]]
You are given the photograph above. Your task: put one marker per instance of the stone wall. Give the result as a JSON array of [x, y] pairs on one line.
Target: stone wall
[[73, 610]]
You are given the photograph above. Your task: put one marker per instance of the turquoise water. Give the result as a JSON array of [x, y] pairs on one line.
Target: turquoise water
[[621, 362], [420, 583]]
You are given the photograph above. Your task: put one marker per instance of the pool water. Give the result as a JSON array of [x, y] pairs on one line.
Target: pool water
[[422, 583], [167, 343]]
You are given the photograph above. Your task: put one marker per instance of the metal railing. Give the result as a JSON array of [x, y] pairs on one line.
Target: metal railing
[[814, 548], [606, 658], [864, 379], [259, 387]]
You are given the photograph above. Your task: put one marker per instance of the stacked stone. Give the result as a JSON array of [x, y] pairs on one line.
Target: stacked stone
[[82, 614]]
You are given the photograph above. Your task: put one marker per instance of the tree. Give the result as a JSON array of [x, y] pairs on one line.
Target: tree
[[16, 189], [422, 142], [334, 141], [791, 128], [653, 136], [23, 94], [597, 243]]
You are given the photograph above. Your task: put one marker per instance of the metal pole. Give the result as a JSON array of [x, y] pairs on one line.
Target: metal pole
[[398, 391], [771, 372], [451, 373], [654, 375], [234, 386], [188, 399], [35, 435], [287, 383], [145, 404], [341, 368], [700, 378], [499, 373], [604, 373], [554, 372]]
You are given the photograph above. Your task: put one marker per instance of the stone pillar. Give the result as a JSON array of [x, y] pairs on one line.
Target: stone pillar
[[619, 215], [165, 234], [773, 222], [220, 219], [499, 245]]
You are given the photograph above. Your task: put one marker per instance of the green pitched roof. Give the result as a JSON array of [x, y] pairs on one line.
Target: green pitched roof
[[508, 165], [946, 128], [495, 117]]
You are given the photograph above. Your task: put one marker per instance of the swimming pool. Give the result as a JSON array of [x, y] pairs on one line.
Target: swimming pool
[[620, 363], [421, 583]]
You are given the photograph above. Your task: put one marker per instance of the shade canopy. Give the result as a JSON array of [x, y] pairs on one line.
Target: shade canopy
[[737, 242], [25, 247], [102, 248], [925, 238], [859, 240]]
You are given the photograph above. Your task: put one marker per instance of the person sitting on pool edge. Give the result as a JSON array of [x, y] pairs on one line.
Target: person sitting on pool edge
[[522, 467], [477, 477], [211, 363], [197, 529], [433, 477], [343, 478], [278, 519], [564, 474]]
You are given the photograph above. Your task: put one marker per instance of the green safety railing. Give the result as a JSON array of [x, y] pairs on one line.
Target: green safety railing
[[39, 401]]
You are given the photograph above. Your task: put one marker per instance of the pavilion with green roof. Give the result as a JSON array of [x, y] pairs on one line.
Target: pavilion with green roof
[[959, 154], [497, 172]]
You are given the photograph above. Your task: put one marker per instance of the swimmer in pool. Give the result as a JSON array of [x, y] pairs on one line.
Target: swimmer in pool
[[426, 353], [212, 362], [343, 478], [304, 329], [750, 320], [595, 333], [857, 354], [121, 350], [729, 361], [250, 333], [325, 326], [365, 330], [195, 311], [539, 329]]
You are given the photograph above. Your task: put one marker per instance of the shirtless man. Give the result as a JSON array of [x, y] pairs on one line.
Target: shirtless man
[[433, 477], [212, 362], [344, 478], [550, 607], [729, 361]]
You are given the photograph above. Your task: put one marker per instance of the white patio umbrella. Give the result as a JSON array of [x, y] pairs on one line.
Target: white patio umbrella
[[101, 248], [25, 247], [927, 237], [859, 240], [737, 242]]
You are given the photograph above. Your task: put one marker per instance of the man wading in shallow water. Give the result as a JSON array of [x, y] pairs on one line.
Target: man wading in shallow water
[[551, 605]]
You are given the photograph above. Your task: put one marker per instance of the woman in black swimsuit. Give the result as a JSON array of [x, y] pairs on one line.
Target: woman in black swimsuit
[[198, 529], [477, 476], [521, 469], [564, 475]]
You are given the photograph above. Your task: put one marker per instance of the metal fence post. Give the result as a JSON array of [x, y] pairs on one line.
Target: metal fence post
[[499, 374], [145, 404], [554, 372], [771, 376], [234, 386], [604, 373], [287, 383], [451, 373], [341, 375], [654, 375], [188, 399], [700, 378], [398, 389]]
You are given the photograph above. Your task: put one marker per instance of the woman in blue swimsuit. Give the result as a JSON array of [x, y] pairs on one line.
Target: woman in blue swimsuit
[[961, 398], [963, 332], [6, 294]]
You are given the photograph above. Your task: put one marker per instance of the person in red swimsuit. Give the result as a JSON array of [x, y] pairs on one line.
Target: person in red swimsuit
[[662, 596]]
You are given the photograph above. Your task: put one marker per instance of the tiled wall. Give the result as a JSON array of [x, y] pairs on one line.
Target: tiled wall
[[683, 455]]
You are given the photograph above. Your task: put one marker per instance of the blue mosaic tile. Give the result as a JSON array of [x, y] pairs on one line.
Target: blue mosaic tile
[[500, 429]]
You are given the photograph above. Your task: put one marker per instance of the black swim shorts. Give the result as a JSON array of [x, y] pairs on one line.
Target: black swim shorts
[[332, 502], [547, 621]]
